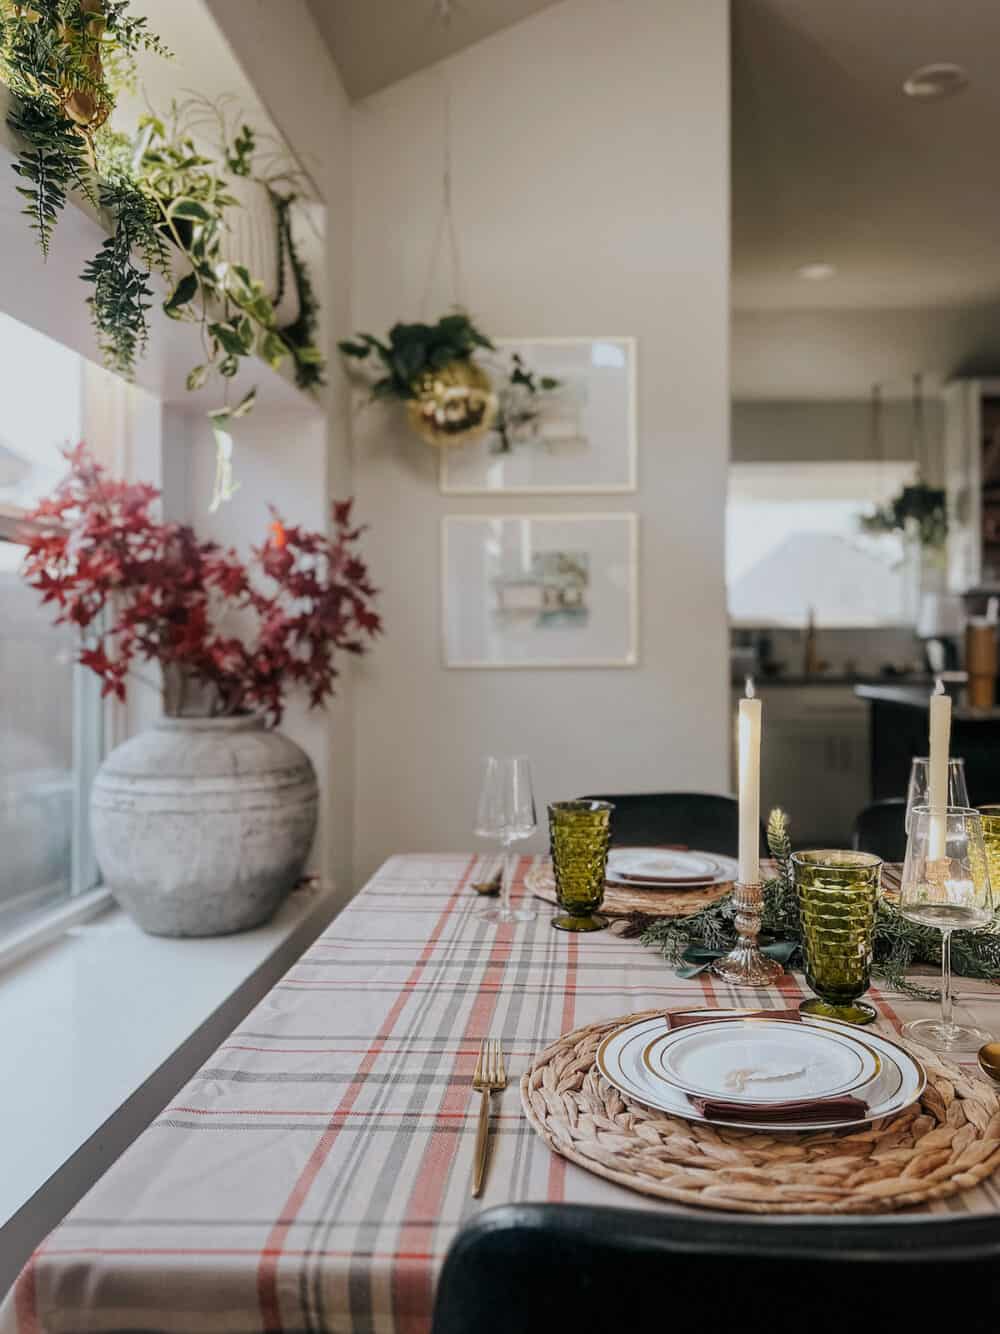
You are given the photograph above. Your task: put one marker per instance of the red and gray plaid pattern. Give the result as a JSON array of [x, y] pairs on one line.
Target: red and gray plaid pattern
[[314, 1172]]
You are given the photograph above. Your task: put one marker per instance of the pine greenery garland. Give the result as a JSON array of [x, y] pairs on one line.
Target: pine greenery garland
[[898, 942]]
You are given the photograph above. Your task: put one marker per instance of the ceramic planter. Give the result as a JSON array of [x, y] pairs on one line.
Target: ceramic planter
[[202, 825]]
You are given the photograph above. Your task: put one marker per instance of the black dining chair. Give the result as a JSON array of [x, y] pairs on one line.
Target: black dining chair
[[538, 1268], [878, 828], [702, 820]]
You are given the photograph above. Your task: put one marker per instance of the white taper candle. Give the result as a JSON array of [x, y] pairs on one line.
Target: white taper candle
[[937, 784], [748, 751]]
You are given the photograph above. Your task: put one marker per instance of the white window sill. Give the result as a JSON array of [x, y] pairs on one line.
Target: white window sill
[[98, 1030]]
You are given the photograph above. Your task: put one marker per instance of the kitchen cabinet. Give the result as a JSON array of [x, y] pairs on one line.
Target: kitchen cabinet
[[972, 483], [814, 760]]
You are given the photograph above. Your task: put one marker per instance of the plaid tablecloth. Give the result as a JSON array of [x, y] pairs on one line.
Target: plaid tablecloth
[[314, 1172]]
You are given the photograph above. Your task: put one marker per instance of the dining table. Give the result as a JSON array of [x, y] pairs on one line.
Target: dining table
[[314, 1172]]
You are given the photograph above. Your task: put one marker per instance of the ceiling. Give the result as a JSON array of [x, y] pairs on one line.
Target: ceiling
[[831, 162], [376, 42]]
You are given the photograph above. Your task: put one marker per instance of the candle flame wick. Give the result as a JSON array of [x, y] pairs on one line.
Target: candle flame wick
[[938, 686], [750, 691]]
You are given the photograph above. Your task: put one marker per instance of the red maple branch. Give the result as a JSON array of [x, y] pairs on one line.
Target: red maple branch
[[139, 588]]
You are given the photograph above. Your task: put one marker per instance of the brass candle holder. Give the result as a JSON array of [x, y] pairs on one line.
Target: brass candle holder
[[744, 965]]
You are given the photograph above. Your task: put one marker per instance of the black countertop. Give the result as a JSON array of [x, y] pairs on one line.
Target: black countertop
[[831, 679], [918, 697]]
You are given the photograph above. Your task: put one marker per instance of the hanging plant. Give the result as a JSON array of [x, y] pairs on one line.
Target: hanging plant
[[450, 398], [189, 197], [54, 57], [166, 194], [919, 509]]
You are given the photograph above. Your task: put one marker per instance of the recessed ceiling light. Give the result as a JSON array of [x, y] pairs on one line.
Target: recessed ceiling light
[[931, 82], [815, 273]]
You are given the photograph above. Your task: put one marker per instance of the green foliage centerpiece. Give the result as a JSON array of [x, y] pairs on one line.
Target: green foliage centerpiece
[[691, 943]]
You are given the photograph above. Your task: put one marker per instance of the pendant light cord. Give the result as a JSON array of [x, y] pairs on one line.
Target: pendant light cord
[[919, 442], [877, 441], [446, 232]]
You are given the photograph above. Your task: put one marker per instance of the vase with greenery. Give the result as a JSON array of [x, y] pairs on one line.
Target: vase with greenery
[[203, 823]]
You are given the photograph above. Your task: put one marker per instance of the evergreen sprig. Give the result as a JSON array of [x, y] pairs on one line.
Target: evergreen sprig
[[53, 161], [122, 295], [898, 943], [55, 57]]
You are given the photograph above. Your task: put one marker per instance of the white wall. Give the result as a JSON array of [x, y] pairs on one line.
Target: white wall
[[299, 462], [591, 183]]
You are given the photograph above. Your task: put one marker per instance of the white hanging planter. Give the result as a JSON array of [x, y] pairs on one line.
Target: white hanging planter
[[251, 239]]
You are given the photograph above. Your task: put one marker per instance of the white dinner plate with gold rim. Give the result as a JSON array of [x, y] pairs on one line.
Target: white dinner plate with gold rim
[[619, 1058], [667, 868], [752, 1059]]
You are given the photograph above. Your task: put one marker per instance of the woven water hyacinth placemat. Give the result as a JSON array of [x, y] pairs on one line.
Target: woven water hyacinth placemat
[[946, 1143], [622, 901]]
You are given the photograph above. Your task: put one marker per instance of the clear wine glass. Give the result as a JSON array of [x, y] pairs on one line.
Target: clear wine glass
[[946, 884], [918, 793], [506, 812]]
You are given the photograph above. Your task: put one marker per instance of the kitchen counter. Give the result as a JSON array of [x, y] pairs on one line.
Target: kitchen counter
[[797, 681], [912, 697]]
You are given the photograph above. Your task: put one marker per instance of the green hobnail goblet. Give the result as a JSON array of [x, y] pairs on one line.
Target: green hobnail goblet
[[991, 839], [838, 897], [579, 832]]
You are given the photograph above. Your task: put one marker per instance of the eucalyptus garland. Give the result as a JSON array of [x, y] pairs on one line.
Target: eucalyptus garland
[[898, 942]]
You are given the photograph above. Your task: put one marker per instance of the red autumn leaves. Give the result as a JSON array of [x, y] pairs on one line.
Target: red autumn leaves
[[144, 590]]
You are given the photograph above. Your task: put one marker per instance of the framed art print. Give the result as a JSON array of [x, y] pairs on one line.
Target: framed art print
[[574, 433], [540, 590]]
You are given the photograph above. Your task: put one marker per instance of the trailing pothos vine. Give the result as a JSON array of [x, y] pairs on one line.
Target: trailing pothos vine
[[168, 195]]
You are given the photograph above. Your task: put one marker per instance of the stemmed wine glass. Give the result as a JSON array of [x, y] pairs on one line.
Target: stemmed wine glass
[[506, 812], [918, 792], [946, 884]]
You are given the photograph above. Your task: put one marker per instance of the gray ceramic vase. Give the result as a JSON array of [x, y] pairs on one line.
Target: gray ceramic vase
[[203, 825]]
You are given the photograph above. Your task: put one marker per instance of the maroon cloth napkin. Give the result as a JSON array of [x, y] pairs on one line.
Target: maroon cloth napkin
[[807, 1109], [681, 1017]]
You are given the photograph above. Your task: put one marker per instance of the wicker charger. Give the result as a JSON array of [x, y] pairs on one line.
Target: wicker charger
[[620, 901], [947, 1143]]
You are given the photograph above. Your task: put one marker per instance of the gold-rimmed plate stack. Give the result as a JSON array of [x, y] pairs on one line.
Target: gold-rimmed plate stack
[[757, 1062]]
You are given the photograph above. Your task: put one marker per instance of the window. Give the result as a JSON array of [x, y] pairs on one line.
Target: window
[[793, 541], [50, 712]]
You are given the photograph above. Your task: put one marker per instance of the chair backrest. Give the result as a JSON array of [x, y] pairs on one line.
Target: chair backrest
[[535, 1268], [703, 820], [879, 829]]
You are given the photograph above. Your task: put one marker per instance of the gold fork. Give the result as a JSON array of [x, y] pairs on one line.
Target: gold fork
[[490, 1076]]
